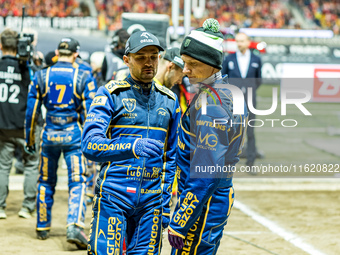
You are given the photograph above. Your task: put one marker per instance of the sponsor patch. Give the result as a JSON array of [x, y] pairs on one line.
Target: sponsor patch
[[99, 100], [129, 104]]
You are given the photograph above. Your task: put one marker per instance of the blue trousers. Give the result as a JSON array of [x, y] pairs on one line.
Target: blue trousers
[[75, 161], [113, 220], [205, 235]]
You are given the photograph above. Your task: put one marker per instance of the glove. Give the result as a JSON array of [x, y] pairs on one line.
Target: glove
[[175, 240], [30, 149], [165, 221], [147, 147]]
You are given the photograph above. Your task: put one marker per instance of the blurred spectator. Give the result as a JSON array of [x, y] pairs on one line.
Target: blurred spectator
[[39, 8], [325, 14], [243, 13]]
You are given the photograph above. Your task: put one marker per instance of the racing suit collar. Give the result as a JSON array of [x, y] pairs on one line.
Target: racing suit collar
[[65, 63], [213, 78], [209, 81], [141, 87]]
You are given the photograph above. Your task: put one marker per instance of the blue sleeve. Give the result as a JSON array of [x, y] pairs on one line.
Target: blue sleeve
[[96, 145], [211, 147], [89, 92], [90, 74], [169, 170], [33, 110]]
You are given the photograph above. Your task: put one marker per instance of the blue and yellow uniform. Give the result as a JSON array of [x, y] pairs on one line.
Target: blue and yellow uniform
[[206, 143], [132, 192], [91, 166], [86, 67], [66, 92]]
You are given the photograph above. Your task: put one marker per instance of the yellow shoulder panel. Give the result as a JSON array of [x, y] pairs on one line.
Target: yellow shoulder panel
[[113, 85], [165, 90]]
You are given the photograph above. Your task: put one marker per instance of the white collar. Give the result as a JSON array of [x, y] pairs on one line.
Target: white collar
[[246, 54], [213, 78]]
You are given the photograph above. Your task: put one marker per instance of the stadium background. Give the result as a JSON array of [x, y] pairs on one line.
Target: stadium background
[[274, 213]]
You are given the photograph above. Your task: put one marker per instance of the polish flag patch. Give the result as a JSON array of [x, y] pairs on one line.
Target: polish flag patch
[[131, 190]]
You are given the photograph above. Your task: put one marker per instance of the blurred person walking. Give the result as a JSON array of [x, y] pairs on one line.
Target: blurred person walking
[[66, 92], [14, 82], [244, 70]]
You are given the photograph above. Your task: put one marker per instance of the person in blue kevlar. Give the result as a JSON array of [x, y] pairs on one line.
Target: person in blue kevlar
[[131, 127], [67, 93], [207, 140]]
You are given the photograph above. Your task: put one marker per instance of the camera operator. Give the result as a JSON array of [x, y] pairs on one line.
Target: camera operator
[[14, 82], [35, 61]]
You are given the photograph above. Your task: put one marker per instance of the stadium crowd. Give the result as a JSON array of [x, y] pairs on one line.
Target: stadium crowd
[[325, 14], [244, 13], [39, 8]]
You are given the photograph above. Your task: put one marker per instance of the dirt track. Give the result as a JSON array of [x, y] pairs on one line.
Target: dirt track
[[312, 215]]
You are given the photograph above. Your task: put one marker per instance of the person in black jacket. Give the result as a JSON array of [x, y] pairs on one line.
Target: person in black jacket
[[14, 82], [113, 60], [244, 70]]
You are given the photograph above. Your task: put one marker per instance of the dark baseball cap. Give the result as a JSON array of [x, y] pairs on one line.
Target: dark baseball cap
[[139, 40], [172, 54], [68, 45], [51, 58]]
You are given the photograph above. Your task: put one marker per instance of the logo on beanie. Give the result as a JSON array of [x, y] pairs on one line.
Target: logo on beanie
[[187, 42]]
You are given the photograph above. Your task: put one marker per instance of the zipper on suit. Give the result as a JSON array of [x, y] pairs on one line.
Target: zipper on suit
[[147, 136]]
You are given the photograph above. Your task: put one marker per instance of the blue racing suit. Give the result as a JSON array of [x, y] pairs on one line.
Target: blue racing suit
[[214, 140], [86, 67], [66, 92], [132, 192], [91, 166]]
